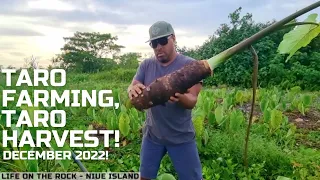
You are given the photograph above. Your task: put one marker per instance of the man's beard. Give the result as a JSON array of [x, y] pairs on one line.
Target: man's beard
[[163, 60]]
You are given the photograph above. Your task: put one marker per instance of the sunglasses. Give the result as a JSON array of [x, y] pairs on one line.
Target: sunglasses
[[162, 41]]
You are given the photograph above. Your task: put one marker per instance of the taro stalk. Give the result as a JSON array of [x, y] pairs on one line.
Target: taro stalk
[[159, 91], [304, 104]]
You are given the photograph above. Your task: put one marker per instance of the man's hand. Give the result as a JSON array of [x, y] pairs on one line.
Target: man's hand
[[188, 100], [135, 90]]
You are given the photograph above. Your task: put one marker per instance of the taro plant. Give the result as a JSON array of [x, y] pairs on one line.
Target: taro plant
[[304, 104], [236, 120]]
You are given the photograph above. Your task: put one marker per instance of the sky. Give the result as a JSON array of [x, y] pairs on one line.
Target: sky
[[37, 27]]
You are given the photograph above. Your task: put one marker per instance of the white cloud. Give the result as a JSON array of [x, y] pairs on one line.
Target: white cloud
[[50, 5]]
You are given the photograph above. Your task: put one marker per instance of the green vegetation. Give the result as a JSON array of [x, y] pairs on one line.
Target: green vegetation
[[284, 139]]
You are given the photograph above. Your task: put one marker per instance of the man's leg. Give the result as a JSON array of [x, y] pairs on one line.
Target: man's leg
[[186, 161], [150, 157]]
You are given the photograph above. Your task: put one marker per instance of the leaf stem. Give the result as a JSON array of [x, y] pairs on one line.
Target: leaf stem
[[298, 23]]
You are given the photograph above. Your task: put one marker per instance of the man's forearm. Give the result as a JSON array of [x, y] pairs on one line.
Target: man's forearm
[[189, 102]]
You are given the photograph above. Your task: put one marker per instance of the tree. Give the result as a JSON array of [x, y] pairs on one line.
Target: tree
[[129, 60], [88, 52]]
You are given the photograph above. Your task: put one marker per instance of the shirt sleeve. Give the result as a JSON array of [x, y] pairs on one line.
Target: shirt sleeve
[[140, 74]]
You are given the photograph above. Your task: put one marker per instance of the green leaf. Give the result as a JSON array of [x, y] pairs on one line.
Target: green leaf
[[267, 115], [236, 120], [239, 97], [211, 118], [276, 119], [90, 111], [205, 136], [198, 120], [166, 176], [299, 37], [219, 114], [301, 108], [264, 104], [283, 178], [124, 124], [306, 99]]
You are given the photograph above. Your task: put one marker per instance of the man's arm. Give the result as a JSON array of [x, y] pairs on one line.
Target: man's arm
[[189, 99]]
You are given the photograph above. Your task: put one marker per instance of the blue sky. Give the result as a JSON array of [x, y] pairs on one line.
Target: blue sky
[[37, 27]]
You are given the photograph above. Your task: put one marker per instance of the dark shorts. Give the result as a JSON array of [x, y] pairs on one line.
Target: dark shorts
[[185, 159]]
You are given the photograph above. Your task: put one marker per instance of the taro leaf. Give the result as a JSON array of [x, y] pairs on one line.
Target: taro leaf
[[276, 119], [211, 118], [283, 178], [123, 108], [166, 176], [291, 131], [239, 97], [90, 111], [299, 37], [206, 106], [229, 101], [198, 120], [236, 119], [301, 108], [124, 123], [219, 114], [135, 117], [306, 100], [205, 136], [296, 89], [264, 104]]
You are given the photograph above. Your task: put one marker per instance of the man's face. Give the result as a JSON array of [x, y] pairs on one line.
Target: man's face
[[163, 48]]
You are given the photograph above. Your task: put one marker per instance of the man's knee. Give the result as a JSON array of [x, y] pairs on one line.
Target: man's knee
[[186, 160], [151, 156]]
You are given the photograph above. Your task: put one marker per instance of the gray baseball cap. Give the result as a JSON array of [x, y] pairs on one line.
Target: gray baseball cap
[[160, 29]]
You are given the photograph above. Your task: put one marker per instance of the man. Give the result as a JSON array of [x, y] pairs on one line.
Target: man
[[169, 128]]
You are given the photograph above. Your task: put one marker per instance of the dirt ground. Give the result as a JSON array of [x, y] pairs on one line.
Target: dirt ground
[[305, 124], [311, 121]]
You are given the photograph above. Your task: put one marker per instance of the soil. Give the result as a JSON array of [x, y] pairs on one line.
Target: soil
[[305, 124], [311, 120], [246, 108], [303, 140]]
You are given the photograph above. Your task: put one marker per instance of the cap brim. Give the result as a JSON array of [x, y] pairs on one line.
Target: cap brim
[[158, 37]]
